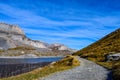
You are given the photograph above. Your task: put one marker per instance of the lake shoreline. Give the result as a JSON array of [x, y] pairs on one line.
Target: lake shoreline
[[29, 57]]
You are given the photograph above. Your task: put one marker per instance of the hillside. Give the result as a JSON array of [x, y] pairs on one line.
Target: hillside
[[99, 51], [108, 44]]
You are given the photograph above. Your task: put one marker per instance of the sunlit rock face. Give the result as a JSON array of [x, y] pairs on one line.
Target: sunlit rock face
[[10, 29], [12, 36], [6, 43], [59, 46]]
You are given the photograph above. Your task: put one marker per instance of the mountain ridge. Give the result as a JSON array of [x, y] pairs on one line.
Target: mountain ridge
[[12, 36]]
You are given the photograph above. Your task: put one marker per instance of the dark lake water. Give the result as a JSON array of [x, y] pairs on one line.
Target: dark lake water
[[28, 60], [13, 66]]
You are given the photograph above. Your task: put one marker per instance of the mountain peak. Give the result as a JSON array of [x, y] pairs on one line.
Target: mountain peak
[[11, 29]]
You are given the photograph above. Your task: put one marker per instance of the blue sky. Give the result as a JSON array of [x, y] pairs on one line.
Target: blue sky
[[75, 23]]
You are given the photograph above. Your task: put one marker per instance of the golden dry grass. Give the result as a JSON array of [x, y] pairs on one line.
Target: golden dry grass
[[98, 51]]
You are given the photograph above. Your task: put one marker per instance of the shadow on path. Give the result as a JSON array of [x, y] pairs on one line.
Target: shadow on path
[[110, 76]]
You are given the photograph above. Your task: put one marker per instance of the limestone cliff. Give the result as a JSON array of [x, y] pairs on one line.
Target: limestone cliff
[[12, 36]]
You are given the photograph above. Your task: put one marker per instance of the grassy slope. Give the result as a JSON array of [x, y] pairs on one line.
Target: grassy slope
[[116, 71], [98, 51], [66, 63]]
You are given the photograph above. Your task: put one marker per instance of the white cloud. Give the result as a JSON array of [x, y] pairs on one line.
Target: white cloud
[[93, 27]]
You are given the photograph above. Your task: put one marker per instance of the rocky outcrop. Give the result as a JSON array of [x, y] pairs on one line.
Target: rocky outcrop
[[5, 43], [10, 29], [12, 36], [113, 57]]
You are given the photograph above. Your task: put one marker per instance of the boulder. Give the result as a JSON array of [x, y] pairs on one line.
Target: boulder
[[113, 57]]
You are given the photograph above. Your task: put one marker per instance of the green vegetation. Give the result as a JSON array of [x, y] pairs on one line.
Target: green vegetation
[[66, 63], [19, 50], [98, 51], [1, 50], [23, 48]]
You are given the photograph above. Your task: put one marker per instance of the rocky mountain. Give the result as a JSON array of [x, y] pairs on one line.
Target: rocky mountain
[[12, 36]]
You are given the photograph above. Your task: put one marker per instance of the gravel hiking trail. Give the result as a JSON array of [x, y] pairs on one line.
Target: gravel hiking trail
[[87, 70]]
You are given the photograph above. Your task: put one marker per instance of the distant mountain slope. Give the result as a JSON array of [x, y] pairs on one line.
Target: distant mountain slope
[[101, 48], [13, 37]]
